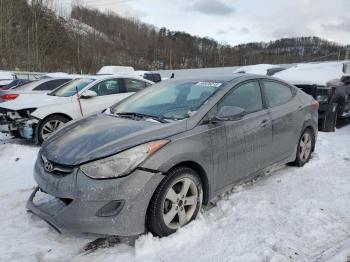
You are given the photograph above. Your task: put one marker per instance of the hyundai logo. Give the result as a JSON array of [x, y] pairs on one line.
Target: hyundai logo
[[48, 166]]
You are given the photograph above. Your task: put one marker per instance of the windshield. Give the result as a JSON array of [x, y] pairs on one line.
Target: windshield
[[171, 99], [71, 87]]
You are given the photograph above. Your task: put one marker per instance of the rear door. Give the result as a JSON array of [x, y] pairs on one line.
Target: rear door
[[287, 117], [248, 141]]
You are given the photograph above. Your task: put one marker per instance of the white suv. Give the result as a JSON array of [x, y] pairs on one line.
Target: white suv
[[37, 116]]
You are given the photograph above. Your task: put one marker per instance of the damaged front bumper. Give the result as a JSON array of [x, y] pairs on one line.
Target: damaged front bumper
[[76, 203], [20, 121]]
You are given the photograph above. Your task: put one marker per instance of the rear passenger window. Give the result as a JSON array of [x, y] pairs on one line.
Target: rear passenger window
[[246, 96], [133, 85], [276, 93], [51, 85]]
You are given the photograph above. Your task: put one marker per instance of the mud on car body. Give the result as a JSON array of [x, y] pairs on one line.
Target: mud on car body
[[151, 161]]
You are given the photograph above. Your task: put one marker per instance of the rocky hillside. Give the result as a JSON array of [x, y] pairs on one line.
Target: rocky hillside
[[34, 38]]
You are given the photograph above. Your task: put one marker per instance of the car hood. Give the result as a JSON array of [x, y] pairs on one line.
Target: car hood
[[103, 135], [33, 100]]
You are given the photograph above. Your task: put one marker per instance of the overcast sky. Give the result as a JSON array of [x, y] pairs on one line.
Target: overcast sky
[[240, 21]]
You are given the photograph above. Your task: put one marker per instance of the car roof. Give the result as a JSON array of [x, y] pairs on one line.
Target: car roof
[[126, 75], [213, 77]]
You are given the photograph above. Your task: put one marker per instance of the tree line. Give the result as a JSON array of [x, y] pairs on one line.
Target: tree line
[[34, 38]]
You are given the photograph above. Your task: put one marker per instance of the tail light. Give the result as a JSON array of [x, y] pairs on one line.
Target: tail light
[[315, 105], [9, 96], [4, 88]]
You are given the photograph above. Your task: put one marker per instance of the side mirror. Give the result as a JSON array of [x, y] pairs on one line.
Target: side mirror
[[88, 94], [230, 113]]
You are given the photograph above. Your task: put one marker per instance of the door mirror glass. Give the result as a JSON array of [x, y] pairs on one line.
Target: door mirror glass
[[230, 113], [88, 94]]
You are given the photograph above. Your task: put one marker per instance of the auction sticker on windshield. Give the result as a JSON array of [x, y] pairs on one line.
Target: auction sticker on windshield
[[211, 84]]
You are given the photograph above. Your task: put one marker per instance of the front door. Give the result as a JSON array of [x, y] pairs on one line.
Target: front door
[[248, 140], [108, 93]]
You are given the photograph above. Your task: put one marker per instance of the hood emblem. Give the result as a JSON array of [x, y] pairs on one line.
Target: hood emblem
[[48, 166]]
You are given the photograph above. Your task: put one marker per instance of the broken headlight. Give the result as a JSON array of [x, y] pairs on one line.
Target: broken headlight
[[123, 163]]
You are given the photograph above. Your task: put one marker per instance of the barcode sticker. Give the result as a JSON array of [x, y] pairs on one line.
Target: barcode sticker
[[212, 84]]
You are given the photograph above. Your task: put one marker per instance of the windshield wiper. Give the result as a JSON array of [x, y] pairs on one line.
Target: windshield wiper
[[140, 115]]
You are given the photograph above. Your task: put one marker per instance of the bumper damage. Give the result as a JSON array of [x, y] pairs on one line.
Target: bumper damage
[[76, 203], [20, 121]]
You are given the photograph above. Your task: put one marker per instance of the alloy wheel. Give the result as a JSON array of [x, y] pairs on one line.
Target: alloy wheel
[[305, 147], [50, 127], [180, 203]]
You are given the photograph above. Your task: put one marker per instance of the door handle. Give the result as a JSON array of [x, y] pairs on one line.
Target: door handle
[[264, 123], [300, 108]]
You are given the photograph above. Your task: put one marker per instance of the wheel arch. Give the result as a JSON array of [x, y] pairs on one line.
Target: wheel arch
[[202, 176], [56, 114]]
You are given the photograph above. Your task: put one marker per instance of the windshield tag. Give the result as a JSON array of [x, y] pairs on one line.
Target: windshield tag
[[212, 84]]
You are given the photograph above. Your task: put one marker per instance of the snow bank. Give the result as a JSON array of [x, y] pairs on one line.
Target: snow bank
[[5, 75], [260, 69], [312, 73], [294, 214]]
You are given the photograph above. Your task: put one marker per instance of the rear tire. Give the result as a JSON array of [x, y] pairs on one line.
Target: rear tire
[[176, 202], [306, 144], [50, 125]]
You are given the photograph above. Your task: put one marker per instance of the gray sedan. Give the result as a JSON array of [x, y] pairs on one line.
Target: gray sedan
[[150, 162]]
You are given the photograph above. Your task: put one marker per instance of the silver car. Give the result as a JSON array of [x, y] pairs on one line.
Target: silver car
[[150, 162]]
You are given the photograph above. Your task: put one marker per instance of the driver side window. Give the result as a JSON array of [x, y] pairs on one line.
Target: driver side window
[[107, 87], [246, 96]]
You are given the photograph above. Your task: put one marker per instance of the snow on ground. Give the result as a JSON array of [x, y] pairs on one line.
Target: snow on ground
[[293, 214]]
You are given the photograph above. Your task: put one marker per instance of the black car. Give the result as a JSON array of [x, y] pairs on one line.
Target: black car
[[334, 100]]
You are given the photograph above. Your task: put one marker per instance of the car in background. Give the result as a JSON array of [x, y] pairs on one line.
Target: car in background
[[329, 84], [154, 77], [36, 87], [150, 162], [38, 116], [15, 83], [6, 78], [260, 69]]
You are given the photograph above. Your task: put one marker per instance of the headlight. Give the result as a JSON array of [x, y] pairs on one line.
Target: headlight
[[322, 98], [123, 163]]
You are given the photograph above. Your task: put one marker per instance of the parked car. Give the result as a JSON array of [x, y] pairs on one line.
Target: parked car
[[154, 77], [36, 87], [151, 161], [38, 116], [329, 84], [15, 83], [259, 69], [6, 77]]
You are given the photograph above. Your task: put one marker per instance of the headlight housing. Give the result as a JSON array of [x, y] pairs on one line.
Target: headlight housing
[[123, 163]]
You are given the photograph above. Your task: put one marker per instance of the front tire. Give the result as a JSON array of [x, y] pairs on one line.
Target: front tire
[[50, 125], [305, 146], [176, 201]]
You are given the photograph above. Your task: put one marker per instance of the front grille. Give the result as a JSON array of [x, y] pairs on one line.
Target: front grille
[[54, 168]]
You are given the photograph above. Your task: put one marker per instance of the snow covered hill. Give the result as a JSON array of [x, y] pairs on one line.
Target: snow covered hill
[[293, 214]]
